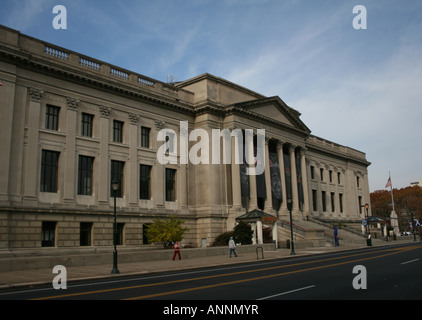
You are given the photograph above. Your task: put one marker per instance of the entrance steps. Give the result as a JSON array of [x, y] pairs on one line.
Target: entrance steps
[[315, 233]]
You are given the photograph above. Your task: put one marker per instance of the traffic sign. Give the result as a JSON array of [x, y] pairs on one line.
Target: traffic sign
[[364, 223]]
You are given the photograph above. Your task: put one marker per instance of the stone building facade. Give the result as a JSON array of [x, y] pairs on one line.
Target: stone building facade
[[71, 124]]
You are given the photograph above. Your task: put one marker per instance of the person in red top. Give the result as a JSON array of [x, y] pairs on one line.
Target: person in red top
[[176, 250]]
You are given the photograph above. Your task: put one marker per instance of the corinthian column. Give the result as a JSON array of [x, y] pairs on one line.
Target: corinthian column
[[283, 209], [304, 181], [269, 200], [295, 196], [253, 201]]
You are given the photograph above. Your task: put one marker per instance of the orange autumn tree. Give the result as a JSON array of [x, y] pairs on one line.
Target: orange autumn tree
[[405, 200]]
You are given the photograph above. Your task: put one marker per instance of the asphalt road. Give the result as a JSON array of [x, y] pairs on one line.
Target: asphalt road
[[381, 273]]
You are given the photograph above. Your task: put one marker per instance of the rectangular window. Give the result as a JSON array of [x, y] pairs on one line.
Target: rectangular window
[[324, 204], [339, 177], [360, 204], [117, 175], [120, 233], [357, 182], [170, 137], [117, 131], [48, 234], [314, 200], [49, 170], [145, 137], [85, 175], [312, 172], [144, 182], [170, 185], [52, 117], [85, 234], [330, 174], [340, 198], [333, 205], [86, 125], [322, 174]]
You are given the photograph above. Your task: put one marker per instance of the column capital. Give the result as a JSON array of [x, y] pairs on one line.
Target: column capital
[[105, 111], [303, 151], [133, 118], [72, 103], [292, 147], [35, 94], [160, 124]]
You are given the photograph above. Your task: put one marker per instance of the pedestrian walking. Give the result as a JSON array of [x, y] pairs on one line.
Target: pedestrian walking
[[232, 247], [176, 250], [336, 237]]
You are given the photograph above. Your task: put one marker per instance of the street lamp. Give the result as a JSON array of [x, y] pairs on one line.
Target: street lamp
[[367, 217], [115, 187], [292, 246], [366, 206]]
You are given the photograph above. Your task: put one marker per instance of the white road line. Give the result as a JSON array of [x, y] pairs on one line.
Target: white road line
[[410, 261], [287, 292]]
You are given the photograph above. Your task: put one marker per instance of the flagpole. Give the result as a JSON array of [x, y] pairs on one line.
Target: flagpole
[[391, 190], [393, 217]]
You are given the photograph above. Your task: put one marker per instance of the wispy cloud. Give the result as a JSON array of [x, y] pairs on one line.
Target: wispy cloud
[[24, 14]]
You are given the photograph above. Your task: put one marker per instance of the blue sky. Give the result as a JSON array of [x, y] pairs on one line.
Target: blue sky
[[359, 88]]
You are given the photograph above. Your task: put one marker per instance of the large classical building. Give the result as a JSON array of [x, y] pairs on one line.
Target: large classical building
[[70, 125]]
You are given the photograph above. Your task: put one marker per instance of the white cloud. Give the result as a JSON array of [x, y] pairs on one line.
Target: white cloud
[[24, 14]]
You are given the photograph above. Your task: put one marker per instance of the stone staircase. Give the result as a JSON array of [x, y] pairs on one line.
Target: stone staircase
[[316, 233]]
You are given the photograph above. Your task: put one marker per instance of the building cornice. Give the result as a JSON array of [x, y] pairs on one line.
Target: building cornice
[[35, 55], [324, 147]]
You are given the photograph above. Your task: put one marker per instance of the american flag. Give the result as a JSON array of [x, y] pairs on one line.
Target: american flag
[[388, 183]]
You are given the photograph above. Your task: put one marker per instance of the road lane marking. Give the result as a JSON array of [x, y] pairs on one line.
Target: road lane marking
[[254, 279], [287, 292], [414, 260], [198, 278], [398, 250]]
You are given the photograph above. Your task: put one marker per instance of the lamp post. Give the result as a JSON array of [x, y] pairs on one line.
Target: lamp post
[[115, 187], [367, 217], [292, 246], [366, 206]]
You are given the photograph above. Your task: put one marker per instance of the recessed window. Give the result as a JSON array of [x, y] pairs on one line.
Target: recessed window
[[85, 234], [117, 131], [314, 200], [170, 185], [144, 182], [170, 137], [86, 124], [48, 234], [49, 169], [85, 175], [324, 204], [120, 234], [333, 205], [145, 133], [52, 117], [117, 175]]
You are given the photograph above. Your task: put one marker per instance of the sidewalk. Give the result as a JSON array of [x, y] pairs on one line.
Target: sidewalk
[[28, 278]]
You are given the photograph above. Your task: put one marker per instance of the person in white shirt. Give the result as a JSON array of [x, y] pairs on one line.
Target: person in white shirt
[[232, 247]]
